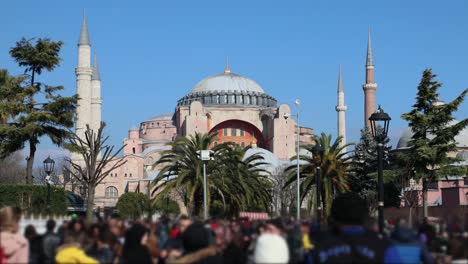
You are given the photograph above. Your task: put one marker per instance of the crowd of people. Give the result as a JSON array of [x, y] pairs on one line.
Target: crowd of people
[[350, 237]]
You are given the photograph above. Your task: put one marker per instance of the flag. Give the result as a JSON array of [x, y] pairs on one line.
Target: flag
[[138, 187], [126, 188]]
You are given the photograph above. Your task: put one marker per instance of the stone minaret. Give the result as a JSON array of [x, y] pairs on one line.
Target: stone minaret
[[370, 86], [83, 83], [96, 101], [341, 109]]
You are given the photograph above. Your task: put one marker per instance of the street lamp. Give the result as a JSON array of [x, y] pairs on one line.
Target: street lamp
[[297, 102], [379, 122], [48, 168], [205, 155], [317, 151]]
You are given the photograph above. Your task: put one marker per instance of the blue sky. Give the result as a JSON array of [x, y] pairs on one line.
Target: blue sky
[[151, 53]]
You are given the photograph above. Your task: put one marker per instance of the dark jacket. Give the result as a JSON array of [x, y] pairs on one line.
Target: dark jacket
[[133, 250]]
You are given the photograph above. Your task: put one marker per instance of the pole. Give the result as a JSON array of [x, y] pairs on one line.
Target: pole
[[48, 197], [298, 210], [380, 187], [205, 209], [318, 184]]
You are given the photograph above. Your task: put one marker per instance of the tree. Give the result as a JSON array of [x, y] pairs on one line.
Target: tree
[[434, 131], [334, 166], [32, 119], [133, 205], [233, 182], [98, 161], [11, 169], [283, 198], [362, 177]]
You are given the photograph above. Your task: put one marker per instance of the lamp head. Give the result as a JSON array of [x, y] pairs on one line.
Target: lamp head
[[286, 116], [297, 102]]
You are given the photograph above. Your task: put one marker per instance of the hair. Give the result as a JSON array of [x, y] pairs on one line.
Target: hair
[[30, 232], [9, 218], [70, 237], [349, 209], [50, 225]]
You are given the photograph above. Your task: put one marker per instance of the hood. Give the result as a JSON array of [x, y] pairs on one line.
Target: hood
[[403, 234], [12, 242]]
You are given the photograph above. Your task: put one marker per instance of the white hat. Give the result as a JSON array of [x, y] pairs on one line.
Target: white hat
[[271, 248]]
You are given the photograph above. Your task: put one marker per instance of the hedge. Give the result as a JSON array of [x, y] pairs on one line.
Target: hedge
[[32, 199]]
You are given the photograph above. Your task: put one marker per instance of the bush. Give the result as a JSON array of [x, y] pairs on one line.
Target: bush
[[166, 206], [32, 199], [133, 205]]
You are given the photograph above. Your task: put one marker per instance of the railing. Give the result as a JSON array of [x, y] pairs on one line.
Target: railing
[[39, 222]]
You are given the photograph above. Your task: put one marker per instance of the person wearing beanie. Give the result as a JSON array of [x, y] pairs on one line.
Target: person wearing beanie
[[271, 248], [351, 242]]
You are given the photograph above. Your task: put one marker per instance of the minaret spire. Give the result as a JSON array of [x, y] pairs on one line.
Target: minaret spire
[[369, 58], [96, 75], [341, 110], [84, 35], [227, 70], [370, 87]]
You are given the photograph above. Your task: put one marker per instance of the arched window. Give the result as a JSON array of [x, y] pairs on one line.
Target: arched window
[[111, 192]]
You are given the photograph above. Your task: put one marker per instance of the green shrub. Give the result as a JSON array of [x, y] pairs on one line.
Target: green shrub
[[32, 199], [133, 205]]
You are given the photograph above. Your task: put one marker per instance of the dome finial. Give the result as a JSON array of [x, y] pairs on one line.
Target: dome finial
[[227, 70]]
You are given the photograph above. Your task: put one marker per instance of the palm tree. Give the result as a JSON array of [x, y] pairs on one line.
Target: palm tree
[[231, 181], [333, 163]]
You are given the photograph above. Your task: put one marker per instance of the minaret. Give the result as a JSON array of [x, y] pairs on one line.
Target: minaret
[[370, 86], [83, 81], [96, 101], [341, 109]]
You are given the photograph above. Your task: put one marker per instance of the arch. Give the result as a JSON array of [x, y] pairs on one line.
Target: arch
[[250, 134], [112, 192]]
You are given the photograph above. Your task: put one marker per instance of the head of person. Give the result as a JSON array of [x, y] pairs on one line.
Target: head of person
[[9, 219], [71, 238], [195, 237], [275, 226], [183, 223], [105, 236], [271, 248], [30, 232], [50, 225], [136, 236], [349, 209]]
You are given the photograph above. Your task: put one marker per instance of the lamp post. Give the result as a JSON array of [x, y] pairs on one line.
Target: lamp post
[[297, 102], [379, 122], [205, 155], [317, 151], [48, 168]]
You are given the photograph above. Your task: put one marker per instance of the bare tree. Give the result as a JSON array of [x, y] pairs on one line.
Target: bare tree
[[283, 197], [98, 161], [12, 171]]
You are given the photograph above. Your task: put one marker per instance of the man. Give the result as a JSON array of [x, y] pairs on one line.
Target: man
[[50, 242], [351, 242]]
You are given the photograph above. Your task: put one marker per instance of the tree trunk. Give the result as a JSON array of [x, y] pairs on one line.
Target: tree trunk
[[30, 162], [410, 217], [424, 198], [90, 203]]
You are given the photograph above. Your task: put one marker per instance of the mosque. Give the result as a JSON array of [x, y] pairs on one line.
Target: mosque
[[233, 106]]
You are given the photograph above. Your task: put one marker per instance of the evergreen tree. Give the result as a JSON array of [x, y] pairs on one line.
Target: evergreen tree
[[434, 130], [362, 178], [30, 118]]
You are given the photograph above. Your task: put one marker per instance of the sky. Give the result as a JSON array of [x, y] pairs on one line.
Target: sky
[[152, 53]]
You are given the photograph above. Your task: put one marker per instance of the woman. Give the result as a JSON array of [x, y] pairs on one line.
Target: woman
[[134, 249], [15, 246], [35, 245]]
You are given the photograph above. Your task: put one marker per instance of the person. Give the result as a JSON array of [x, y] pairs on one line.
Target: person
[[15, 245], [35, 245], [350, 242], [50, 242], [408, 246], [71, 251], [197, 249], [271, 248], [101, 250], [134, 249]]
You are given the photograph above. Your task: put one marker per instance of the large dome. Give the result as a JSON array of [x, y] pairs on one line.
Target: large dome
[[227, 82]]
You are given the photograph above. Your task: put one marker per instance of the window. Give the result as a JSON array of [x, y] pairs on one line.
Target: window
[[111, 192], [130, 175], [241, 132], [111, 175], [234, 131], [125, 174], [225, 132], [133, 150]]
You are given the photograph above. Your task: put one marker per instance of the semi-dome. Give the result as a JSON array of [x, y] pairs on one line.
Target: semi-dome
[[227, 82], [461, 139]]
